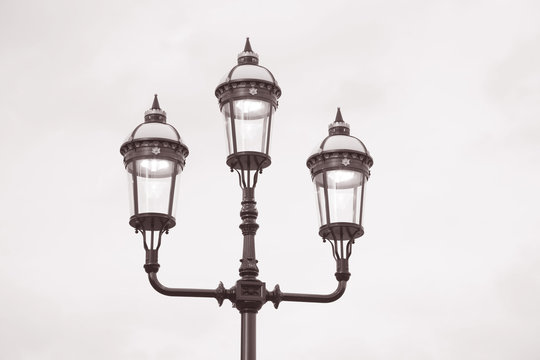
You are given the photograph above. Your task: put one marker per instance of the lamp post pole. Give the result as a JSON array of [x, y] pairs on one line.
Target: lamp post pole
[[154, 156]]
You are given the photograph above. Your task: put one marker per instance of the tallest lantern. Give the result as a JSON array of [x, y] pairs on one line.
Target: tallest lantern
[[248, 97]]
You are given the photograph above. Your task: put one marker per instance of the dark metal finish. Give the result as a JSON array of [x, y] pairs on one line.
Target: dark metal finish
[[341, 231], [276, 296], [249, 226], [240, 89], [152, 222], [248, 160], [152, 267], [218, 293], [248, 345], [317, 298], [249, 294], [142, 149], [333, 160]]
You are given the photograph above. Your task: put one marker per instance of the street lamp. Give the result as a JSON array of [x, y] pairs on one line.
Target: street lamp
[[154, 157]]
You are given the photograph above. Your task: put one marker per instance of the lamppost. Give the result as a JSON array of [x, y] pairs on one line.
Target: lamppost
[[154, 156]]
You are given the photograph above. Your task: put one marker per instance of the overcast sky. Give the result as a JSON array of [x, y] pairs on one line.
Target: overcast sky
[[445, 95]]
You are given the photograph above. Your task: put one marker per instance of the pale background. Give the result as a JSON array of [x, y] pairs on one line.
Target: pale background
[[445, 94]]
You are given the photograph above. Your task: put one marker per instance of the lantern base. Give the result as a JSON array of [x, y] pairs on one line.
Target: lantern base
[[248, 160], [341, 231], [152, 222]]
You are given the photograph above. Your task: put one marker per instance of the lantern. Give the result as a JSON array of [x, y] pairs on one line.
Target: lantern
[[340, 169], [248, 97], [154, 157]]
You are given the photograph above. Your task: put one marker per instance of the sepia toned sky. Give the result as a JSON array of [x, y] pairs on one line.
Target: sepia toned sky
[[445, 95]]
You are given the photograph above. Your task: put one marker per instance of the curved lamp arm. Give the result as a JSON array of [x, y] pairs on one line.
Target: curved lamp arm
[[220, 293], [152, 267], [276, 296], [342, 275]]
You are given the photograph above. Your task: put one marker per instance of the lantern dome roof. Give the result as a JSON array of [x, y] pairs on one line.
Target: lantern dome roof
[[339, 139], [155, 130], [248, 72], [341, 142]]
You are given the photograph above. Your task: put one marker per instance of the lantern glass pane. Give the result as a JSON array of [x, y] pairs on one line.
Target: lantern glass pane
[[270, 126], [251, 121], [344, 194], [153, 185], [176, 189], [131, 193], [228, 127], [321, 199]]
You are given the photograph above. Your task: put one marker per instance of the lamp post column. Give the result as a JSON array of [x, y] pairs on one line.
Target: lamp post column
[[250, 291], [249, 341], [249, 226]]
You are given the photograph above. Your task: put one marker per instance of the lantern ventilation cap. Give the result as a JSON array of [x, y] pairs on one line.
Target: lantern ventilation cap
[[248, 56], [339, 127], [155, 114]]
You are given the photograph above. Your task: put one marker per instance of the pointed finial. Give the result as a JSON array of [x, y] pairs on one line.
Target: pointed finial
[[155, 114], [155, 104], [339, 118], [338, 127], [248, 56], [247, 47]]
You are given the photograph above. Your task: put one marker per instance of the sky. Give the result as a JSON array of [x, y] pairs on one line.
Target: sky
[[445, 95]]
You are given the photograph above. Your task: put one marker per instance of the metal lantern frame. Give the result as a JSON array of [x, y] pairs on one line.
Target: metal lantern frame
[[249, 294], [248, 81], [151, 148]]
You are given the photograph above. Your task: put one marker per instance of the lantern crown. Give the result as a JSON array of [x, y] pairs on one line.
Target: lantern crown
[[155, 126], [154, 131], [248, 74], [340, 140]]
